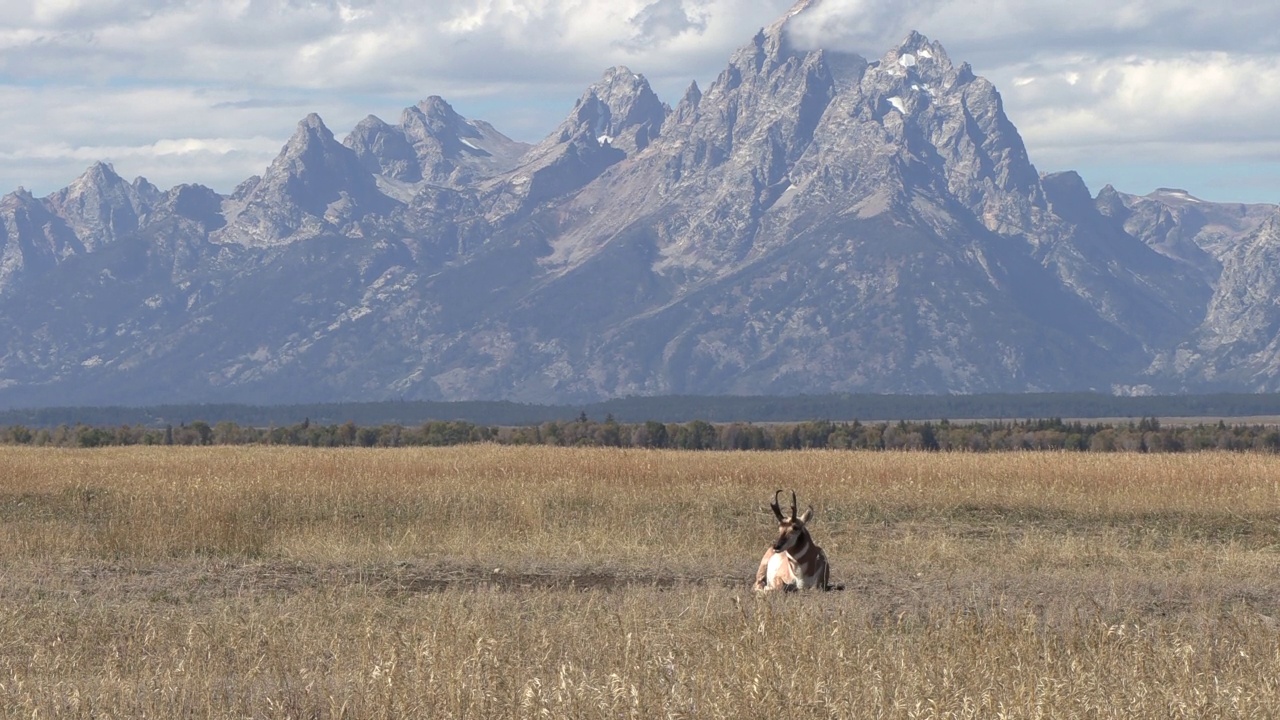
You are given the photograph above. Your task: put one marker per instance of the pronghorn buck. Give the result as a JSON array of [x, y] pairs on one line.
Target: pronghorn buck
[[794, 562]]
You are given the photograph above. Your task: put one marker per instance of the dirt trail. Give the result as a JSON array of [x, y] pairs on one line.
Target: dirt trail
[[191, 580]]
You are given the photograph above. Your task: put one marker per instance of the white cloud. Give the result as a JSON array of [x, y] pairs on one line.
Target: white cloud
[[1205, 99], [169, 136], [208, 90]]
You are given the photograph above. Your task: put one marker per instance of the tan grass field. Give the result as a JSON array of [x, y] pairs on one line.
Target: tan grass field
[[503, 582]]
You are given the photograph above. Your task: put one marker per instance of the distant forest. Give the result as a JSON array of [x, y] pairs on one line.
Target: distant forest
[[1145, 435], [673, 409], [981, 423]]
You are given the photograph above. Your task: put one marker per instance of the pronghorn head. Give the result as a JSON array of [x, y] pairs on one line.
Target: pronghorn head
[[791, 529]]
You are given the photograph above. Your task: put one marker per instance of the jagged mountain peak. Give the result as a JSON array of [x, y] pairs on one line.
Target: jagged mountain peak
[[100, 206], [99, 171], [146, 189], [311, 150], [313, 184], [769, 48], [1067, 188], [436, 106], [197, 203], [809, 222], [688, 104], [816, 124], [383, 149], [773, 50], [617, 117], [97, 179], [313, 157], [372, 122], [434, 144], [943, 115], [777, 44], [621, 74], [18, 197], [918, 55], [435, 117], [921, 65], [620, 110], [33, 239], [782, 24], [1110, 203], [311, 133]]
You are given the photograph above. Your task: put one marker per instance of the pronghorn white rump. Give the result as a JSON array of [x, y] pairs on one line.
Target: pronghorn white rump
[[794, 561]]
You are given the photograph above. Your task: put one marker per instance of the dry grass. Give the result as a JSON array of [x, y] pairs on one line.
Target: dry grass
[[529, 582]]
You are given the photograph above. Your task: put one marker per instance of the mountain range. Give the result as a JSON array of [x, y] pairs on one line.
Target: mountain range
[[811, 222]]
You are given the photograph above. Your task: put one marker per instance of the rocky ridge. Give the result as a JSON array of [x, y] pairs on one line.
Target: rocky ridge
[[811, 222]]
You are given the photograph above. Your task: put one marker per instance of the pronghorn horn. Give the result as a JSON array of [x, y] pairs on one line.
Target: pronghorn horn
[[776, 509], [793, 504]]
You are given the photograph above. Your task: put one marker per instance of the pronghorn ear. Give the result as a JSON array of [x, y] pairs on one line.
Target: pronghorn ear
[[807, 516]]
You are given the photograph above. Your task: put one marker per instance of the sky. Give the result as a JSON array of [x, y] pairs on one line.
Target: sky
[[1138, 94]]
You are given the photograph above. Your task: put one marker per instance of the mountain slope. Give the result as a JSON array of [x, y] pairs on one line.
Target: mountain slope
[[810, 222], [1237, 345], [813, 221]]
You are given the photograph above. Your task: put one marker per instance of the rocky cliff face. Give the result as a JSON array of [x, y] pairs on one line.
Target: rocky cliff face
[[810, 222], [1227, 246], [1237, 344], [314, 185], [1176, 224], [432, 144]]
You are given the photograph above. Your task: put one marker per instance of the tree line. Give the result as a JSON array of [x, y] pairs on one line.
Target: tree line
[[671, 409], [1145, 435]]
